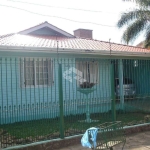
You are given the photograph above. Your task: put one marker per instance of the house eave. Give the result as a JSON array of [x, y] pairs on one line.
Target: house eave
[[71, 51]]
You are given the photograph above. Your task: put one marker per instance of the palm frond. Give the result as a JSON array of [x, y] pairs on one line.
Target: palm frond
[[131, 16], [147, 37], [132, 32], [140, 3], [136, 20]]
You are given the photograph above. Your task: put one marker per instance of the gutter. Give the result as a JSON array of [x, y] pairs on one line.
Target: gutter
[[71, 51], [70, 137]]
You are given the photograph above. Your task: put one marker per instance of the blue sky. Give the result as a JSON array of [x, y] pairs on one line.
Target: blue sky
[[14, 20]]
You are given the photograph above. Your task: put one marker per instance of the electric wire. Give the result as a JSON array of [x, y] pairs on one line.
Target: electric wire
[[84, 22], [58, 7]]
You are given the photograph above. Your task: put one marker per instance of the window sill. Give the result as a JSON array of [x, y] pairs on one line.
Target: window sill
[[36, 86]]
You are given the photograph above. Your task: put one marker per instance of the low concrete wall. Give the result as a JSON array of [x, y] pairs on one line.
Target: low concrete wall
[[76, 140]]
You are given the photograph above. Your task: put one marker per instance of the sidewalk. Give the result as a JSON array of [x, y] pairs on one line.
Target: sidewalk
[[138, 141]]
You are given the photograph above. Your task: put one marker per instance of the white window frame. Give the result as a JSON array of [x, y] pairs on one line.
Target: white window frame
[[50, 68]]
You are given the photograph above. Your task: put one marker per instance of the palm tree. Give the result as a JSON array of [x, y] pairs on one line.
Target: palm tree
[[136, 21]]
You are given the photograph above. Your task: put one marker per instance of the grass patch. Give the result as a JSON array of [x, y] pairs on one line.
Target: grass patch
[[72, 124]]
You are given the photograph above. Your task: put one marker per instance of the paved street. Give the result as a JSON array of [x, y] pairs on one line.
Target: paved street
[[139, 141]]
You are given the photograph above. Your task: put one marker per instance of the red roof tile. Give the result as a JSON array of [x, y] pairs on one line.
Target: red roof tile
[[66, 43], [6, 35]]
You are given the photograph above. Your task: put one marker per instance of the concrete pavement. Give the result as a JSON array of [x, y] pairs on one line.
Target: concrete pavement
[[138, 141]]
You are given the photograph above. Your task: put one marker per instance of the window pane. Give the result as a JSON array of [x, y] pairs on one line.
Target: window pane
[[42, 72], [45, 75], [40, 69], [46, 69], [29, 72]]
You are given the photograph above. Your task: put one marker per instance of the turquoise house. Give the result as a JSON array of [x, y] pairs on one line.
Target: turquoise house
[[42, 65]]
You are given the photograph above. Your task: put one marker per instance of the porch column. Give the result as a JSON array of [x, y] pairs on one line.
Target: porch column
[[120, 72]]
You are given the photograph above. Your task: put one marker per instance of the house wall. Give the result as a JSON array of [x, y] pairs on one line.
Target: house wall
[[28, 103]]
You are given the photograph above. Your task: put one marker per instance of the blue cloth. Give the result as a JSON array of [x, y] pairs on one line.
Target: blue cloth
[[85, 140]]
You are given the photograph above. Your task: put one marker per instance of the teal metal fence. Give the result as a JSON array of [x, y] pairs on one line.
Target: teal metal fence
[[48, 98]]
